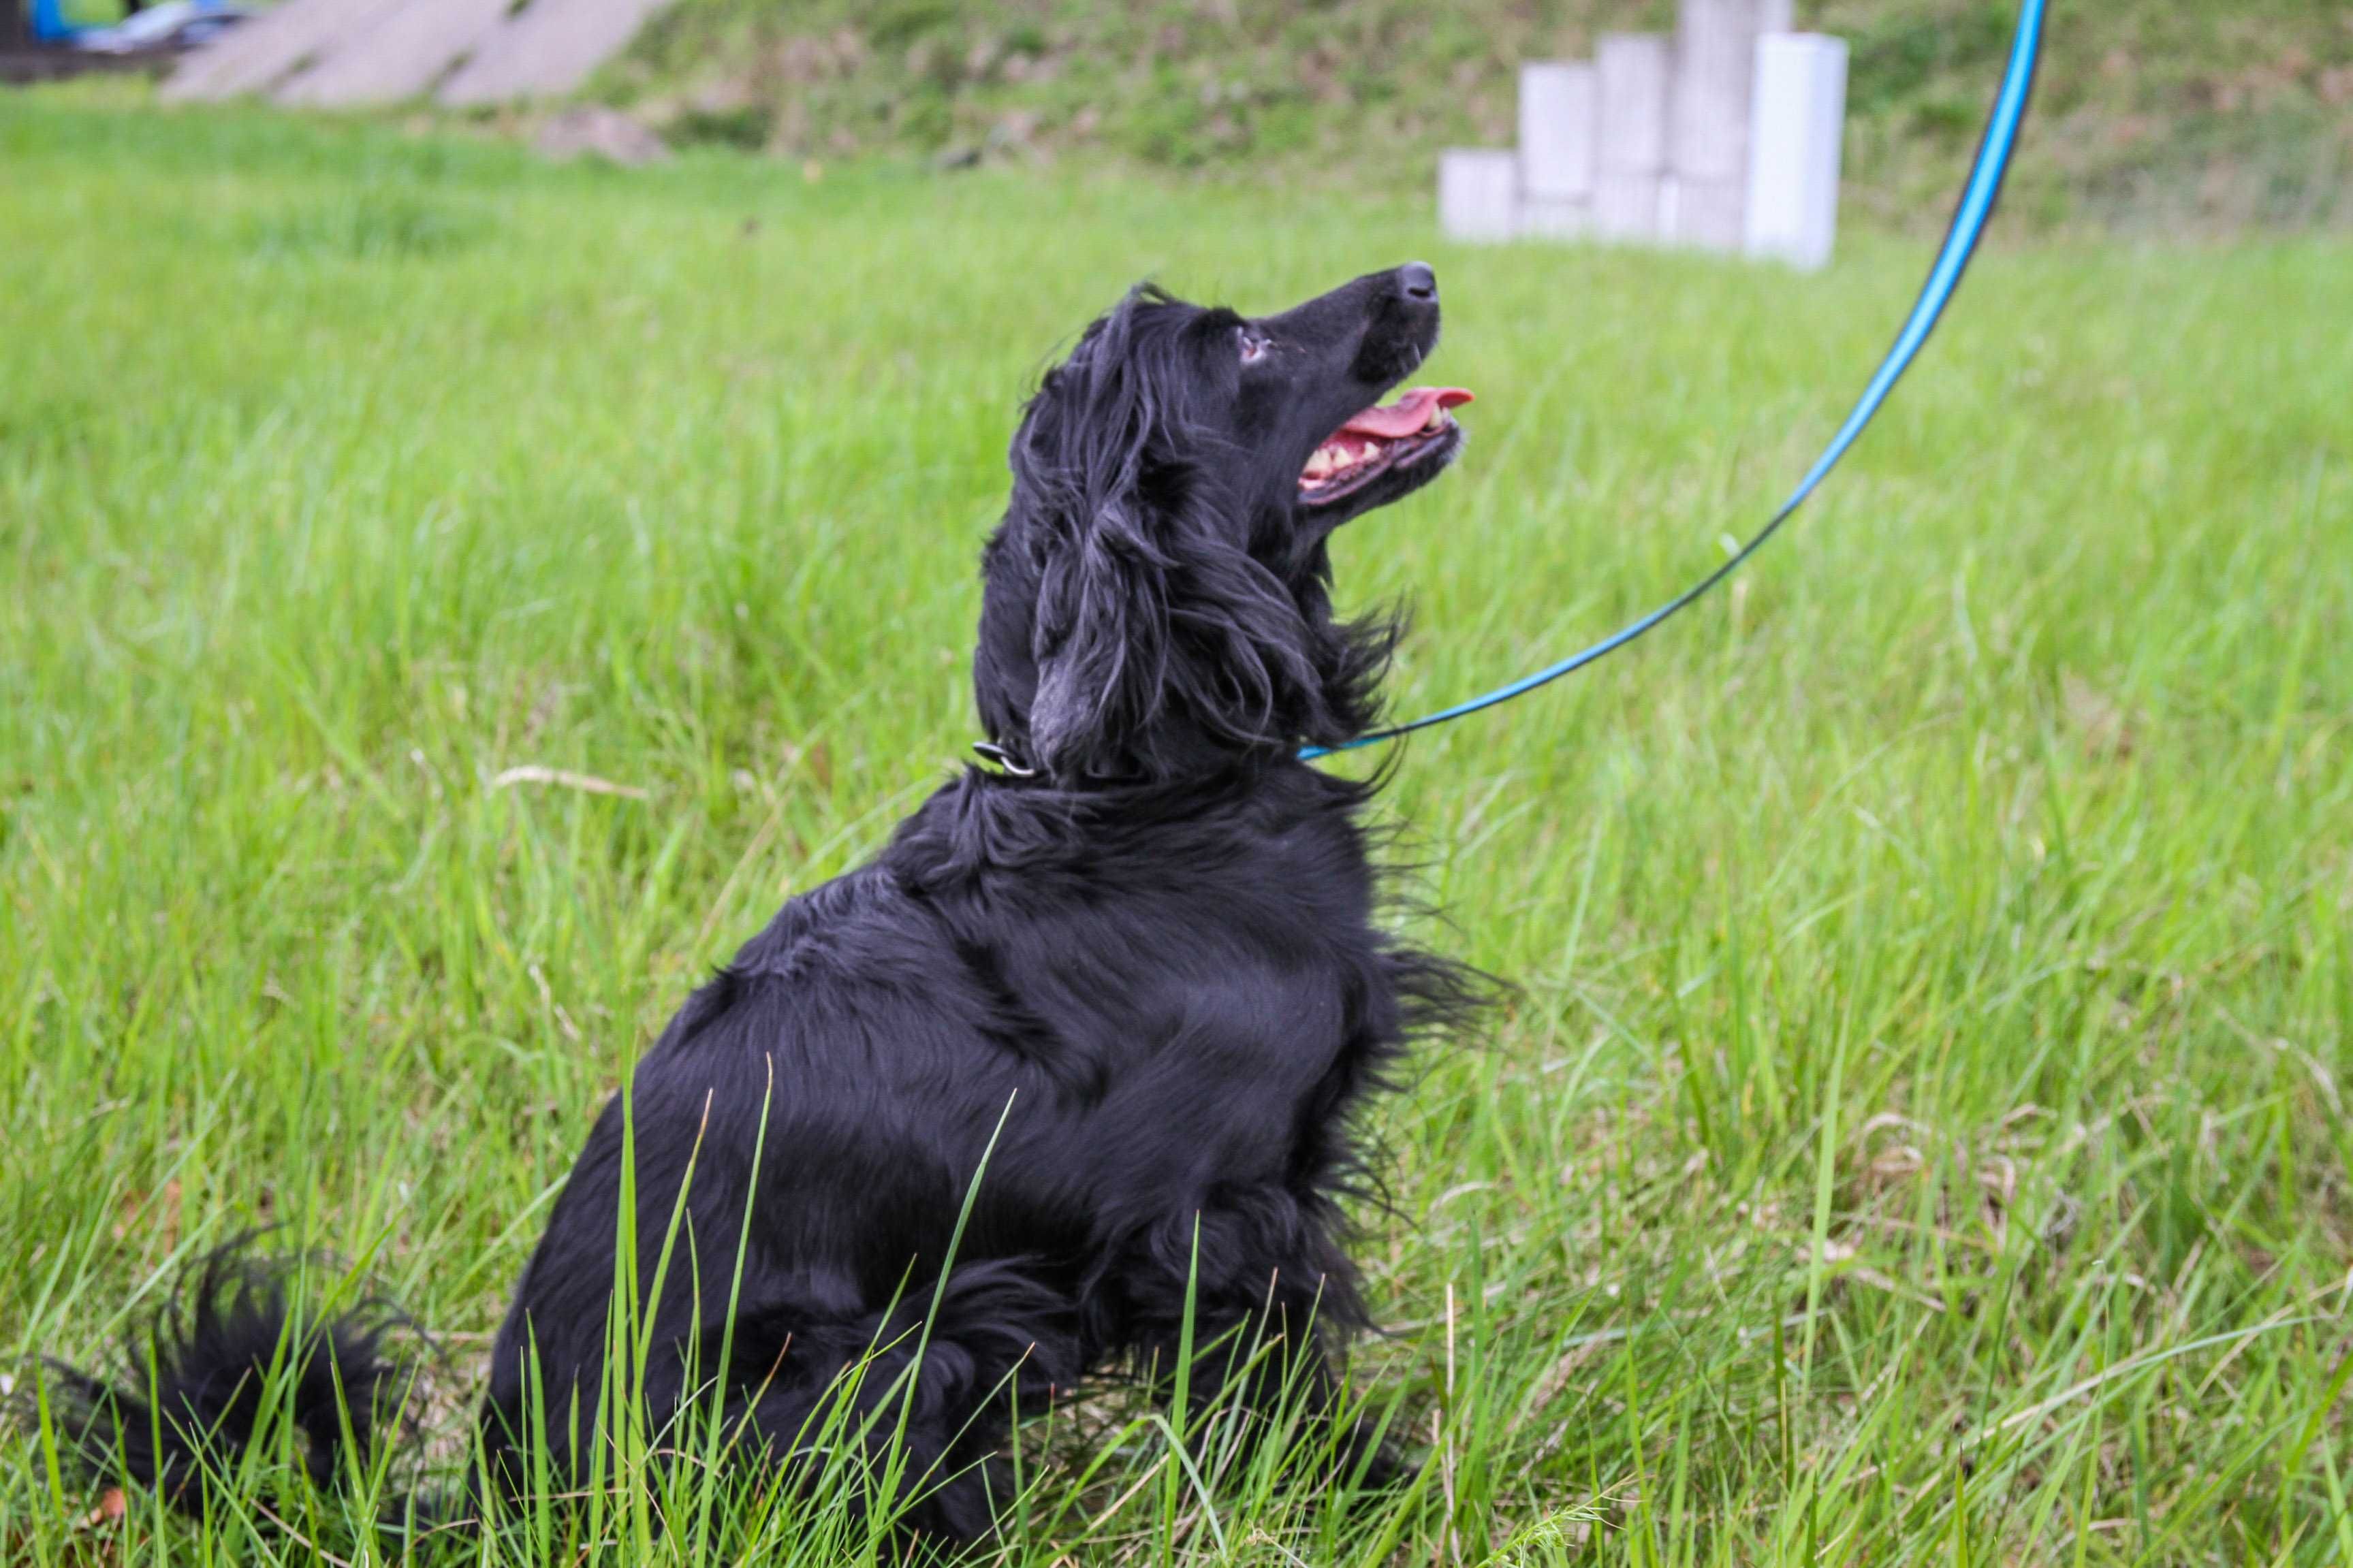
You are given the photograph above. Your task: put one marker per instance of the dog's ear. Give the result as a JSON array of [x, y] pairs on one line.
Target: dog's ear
[[1099, 628], [1099, 639], [1153, 630]]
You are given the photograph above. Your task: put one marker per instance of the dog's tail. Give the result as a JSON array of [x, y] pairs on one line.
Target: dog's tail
[[216, 1370]]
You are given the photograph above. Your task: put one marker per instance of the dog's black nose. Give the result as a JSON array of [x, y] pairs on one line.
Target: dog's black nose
[[1419, 283]]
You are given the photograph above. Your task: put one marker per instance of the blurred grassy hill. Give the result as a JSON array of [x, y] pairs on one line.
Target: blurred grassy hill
[[2200, 116]]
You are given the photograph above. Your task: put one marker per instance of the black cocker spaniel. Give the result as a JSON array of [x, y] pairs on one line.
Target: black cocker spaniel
[[1081, 1046]]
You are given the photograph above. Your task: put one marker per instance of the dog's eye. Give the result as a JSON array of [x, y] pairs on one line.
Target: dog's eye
[[1254, 345]]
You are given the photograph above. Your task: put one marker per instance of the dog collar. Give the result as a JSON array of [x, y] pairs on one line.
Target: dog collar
[[1004, 757]]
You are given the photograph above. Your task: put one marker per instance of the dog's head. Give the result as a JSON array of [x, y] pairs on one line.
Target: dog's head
[[1157, 599]]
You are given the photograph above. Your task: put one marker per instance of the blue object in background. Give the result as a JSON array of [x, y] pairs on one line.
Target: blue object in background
[[63, 21], [49, 24]]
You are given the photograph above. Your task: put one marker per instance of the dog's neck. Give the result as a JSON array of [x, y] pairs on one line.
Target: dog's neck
[[993, 822]]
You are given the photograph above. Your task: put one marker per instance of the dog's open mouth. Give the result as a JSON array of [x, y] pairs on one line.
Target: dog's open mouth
[[1385, 436]]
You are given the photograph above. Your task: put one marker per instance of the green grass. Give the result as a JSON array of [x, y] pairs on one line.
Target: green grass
[[1918, 1134], [2154, 115]]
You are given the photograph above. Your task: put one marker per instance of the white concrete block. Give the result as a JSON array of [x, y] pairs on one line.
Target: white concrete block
[[1478, 193], [1632, 73], [1796, 124], [1559, 114], [1555, 217], [1708, 214], [1715, 59], [1707, 140]]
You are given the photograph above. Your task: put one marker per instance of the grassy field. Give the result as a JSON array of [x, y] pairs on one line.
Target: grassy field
[[2160, 116], [1918, 1132]]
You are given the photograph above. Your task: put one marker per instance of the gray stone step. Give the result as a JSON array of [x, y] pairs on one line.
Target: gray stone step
[[408, 49], [272, 47], [548, 50]]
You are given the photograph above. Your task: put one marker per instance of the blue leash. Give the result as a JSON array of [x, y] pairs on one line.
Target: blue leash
[[1944, 277]]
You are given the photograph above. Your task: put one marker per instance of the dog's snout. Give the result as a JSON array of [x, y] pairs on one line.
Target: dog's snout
[[1419, 283]]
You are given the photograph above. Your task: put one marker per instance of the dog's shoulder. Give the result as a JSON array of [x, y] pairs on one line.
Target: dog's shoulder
[[1292, 825]]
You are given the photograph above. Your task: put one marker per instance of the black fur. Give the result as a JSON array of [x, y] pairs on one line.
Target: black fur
[[1147, 962], [213, 1351]]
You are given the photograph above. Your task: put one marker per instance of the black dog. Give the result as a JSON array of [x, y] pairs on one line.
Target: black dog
[[1134, 971]]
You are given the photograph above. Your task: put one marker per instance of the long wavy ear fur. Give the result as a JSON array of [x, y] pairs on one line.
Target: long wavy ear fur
[[1155, 635]]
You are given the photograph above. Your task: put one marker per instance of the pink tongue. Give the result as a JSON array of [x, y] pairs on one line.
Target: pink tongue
[[1408, 413]]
